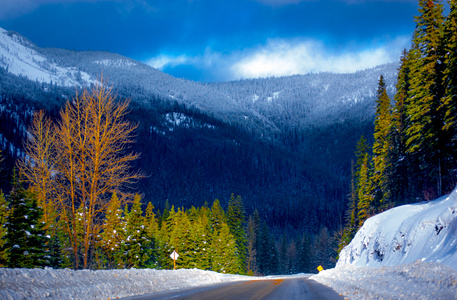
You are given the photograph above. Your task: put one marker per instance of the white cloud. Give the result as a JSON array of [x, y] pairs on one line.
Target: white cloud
[[282, 57], [162, 61]]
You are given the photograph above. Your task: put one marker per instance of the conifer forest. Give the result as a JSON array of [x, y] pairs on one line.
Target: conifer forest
[[91, 180]]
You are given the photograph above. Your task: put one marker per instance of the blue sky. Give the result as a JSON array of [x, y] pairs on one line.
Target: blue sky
[[218, 40]]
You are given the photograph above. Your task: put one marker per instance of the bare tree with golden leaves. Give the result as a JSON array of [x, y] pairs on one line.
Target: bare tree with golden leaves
[[92, 140], [38, 165]]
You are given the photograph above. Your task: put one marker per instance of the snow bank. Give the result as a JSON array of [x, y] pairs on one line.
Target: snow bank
[[418, 280], [101, 284], [404, 234], [408, 252]]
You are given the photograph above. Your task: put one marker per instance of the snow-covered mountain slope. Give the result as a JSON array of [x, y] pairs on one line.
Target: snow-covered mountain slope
[[404, 234], [20, 57], [264, 105], [67, 68], [313, 99]]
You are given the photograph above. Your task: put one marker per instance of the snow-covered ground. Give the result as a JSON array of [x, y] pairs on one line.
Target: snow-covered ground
[[408, 252]]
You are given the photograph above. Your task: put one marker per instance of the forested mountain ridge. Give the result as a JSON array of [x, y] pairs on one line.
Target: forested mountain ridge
[[264, 104], [313, 100], [283, 144]]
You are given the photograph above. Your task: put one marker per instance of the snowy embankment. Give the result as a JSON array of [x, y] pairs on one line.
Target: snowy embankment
[[101, 284], [418, 280], [408, 252]]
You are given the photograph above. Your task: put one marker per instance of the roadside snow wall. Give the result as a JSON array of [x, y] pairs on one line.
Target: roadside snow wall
[[424, 231]]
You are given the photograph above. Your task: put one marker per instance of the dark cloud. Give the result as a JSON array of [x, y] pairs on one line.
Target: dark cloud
[[170, 29]]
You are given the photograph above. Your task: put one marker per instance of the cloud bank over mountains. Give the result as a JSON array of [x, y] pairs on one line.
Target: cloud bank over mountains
[[283, 57]]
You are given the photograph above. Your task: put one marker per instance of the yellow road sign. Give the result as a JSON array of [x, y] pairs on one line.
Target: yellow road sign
[[320, 268]]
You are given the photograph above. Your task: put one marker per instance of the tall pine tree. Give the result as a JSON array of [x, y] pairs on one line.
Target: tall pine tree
[[450, 83], [365, 204], [223, 251], [137, 244], [401, 163], [425, 132], [4, 211], [25, 237], [113, 234], [236, 222], [381, 145]]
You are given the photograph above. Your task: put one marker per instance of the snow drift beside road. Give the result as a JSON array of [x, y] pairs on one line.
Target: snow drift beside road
[[102, 284], [404, 234], [418, 280]]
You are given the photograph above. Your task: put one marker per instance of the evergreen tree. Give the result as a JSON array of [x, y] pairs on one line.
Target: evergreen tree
[[25, 237], [361, 150], [267, 252], [152, 230], [352, 221], [151, 221], [3, 217], [352, 213], [223, 251], [251, 242], [201, 242], [164, 248], [282, 255], [217, 216], [450, 81], [425, 132], [263, 259], [55, 246], [401, 165], [113, 236], [292, 265], [137, 244], [304, 254], [181, 239], [274, 256], [166, 212], [365, 204], [381, 145], [323, 249], [258, 227], [236, 222]]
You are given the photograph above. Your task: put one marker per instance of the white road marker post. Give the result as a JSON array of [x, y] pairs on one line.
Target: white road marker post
[[174, 256]]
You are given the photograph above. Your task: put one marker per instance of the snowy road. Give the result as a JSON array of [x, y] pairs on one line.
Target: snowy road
[[294, 288]]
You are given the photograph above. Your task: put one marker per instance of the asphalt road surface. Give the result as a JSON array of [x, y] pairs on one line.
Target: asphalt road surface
[[286, 289]]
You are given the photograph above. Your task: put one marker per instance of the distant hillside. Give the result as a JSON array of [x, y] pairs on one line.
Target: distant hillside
[[283, 144]]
